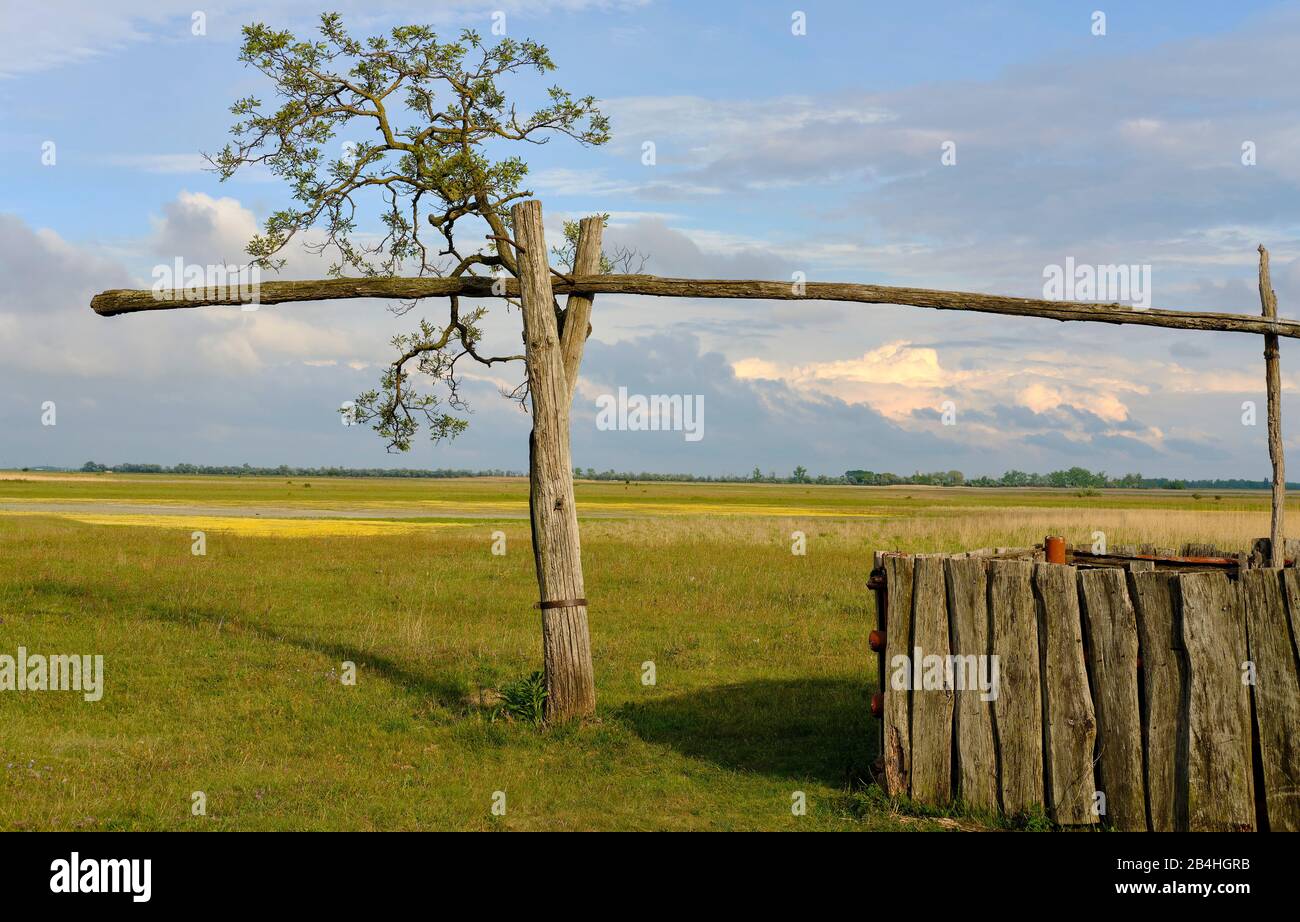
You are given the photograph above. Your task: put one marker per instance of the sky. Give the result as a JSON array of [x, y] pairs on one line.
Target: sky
[[966, 146]]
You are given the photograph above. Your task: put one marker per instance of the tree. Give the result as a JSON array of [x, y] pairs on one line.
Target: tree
[[438, 131], [800, 474]]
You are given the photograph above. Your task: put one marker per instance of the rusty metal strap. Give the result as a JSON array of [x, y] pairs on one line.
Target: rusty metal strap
[[562, 603]]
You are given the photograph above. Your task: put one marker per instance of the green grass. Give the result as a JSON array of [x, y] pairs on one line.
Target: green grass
[[222, 672], [222, 675]]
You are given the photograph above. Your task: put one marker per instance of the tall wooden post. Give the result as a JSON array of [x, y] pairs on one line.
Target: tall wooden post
[[1273, 375], [566, 646]]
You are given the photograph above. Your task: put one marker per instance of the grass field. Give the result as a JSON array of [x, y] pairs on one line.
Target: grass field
[[222, 671]]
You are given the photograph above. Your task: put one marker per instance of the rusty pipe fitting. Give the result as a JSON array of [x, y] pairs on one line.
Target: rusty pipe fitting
[[877, 641], [877, 705], [1054, 549]]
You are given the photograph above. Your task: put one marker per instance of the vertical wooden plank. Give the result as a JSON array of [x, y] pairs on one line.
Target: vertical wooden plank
[[1276, 690], [1154, 596], [932, 699], [1069, 722], [977, 770], [898, 702], [1273, 388], [1018, 709], [882, 617], [1215, 756], [1111, 626]]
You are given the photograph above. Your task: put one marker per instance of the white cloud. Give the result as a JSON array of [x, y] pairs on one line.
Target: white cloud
[[41, 36]]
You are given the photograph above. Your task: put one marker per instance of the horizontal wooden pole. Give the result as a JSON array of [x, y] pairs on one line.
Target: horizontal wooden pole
[[121, 301]]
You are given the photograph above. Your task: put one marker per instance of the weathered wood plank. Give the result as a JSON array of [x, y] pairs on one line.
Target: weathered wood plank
[[1273, 389], [1111, 627], [1276, 690], [881, 624], [557, 546], [123, 301], [1261, 551], [932, 699], [1069, 722], [1215, 756], [1018, 709], [1154, 596], [977, 768], [898, 701]]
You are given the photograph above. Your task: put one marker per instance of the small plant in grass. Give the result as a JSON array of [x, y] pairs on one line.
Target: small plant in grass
[[524, 699], [1034, 820]]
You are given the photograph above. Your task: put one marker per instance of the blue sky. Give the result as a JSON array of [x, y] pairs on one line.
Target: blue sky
[[776, 153]]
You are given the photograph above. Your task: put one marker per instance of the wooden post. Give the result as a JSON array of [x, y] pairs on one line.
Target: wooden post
[[566, 646], [577, 310], [1273, 376]]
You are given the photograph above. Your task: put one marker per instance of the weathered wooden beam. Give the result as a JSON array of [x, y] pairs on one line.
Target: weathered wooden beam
[[566, 643], [1018, 709], [1111, 626], [1270, 621], [1215, 756], [1155, 601], [1069, 718], [121, 301], [1273, 379], [577, 310], [897, 728], [931, 707], [976, 753]]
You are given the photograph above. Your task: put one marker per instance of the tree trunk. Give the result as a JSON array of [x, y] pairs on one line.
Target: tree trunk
[[566, 646]]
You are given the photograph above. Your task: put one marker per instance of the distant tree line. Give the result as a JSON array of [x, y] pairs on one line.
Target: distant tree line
[[284, 470], [1077, 478]]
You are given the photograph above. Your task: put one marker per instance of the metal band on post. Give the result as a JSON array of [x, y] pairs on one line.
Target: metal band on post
[[563, 603]]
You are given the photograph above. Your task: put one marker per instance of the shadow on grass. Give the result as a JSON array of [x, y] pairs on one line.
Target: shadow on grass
[[445, 692], [819, 729]]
